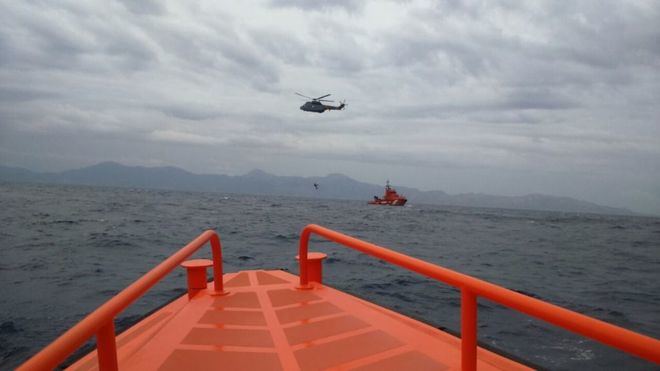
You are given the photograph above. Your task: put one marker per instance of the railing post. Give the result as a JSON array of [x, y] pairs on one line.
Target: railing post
[[468, 330], [216, 250], [106, 348], [302, 256]]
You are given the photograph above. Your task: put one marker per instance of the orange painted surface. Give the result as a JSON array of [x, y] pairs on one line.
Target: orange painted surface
[[274, 320], [389, 198], [315, 266], [196, 274], [264, 323], [99, 322], [637, 344]]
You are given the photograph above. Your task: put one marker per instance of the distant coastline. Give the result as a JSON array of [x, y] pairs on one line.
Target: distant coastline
[[333, 186]]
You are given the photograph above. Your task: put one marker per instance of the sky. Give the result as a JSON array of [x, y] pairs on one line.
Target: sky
[[499, 97]]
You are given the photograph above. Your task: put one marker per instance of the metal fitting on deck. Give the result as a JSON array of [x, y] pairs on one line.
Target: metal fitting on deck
[[315, 265], [196, 272]]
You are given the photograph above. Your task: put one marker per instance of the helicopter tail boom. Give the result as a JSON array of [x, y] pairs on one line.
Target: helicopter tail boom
[[339, 107]]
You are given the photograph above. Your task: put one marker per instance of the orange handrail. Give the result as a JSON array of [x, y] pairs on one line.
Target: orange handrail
[[101, 321], [640, 345]]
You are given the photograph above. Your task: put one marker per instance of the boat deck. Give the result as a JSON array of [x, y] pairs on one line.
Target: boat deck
[[265, 323]]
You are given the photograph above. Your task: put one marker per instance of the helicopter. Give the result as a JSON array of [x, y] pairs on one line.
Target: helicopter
[[315, 104]]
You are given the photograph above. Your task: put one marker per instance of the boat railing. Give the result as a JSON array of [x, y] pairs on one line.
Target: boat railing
[[471, 288], [101, 321]]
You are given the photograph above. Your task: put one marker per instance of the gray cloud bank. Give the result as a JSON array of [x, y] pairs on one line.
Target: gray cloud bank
[[495, 97]]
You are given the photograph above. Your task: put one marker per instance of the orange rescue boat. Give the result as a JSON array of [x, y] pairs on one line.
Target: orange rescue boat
[[389, 198], [273, 320]]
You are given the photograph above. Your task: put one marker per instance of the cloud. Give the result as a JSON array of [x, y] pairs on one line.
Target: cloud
[[23, 94], [490, 88], [39, 36], [189, 111], [145, 7], [347, 5], [544, 99], [181, 137]]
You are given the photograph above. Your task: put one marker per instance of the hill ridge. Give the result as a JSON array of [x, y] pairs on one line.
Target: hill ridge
[[257, 181]]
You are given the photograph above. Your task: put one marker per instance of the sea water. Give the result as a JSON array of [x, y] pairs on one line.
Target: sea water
[[64, 250]]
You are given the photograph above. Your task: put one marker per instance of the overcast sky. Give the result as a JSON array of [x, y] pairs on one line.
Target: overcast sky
[[500, 97]]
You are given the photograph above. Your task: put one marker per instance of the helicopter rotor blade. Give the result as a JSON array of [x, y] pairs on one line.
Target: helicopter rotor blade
[[324, 100], [304, 96], [321, 97]]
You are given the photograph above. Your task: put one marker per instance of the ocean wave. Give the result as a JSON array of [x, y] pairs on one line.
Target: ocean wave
[[64, 222], [609, 263], [376, 286], [408, 281], [398, 296], [332, 260], [8, 327], [287, 237]]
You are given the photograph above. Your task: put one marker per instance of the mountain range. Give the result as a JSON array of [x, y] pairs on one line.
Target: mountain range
[[332, 186]]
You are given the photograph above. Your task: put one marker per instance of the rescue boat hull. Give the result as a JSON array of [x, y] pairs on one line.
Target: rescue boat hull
[[397, 202]]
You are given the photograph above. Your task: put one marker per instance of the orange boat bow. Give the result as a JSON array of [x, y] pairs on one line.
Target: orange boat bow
[[273, 320]]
